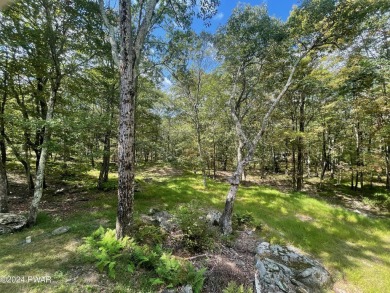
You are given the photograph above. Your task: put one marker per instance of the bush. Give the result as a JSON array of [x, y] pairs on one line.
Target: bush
[[149, 234], [198, 236]]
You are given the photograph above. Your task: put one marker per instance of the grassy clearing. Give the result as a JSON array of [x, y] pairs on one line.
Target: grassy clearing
[[354, 247]]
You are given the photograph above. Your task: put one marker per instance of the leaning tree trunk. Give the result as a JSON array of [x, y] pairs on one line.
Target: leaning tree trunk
[[3, 189], [39, 181], [226, 218]]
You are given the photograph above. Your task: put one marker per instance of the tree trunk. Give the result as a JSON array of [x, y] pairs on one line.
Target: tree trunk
[[126, 149], [104, 169], [294, 167], [239, 157], [300, 143], [387, 157], [200, 150], [3, 150], [226, 218], [356, 180], [224, 164], [352, 186], [214, 159], [3, 189], [324, 156], [39, 181]]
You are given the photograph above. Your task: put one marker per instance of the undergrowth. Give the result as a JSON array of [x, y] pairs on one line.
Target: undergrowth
[[112, 255]]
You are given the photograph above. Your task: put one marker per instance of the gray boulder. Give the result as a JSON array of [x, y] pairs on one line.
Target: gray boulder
[[284, 269], [162, 219], [11, 222], [213, 217]]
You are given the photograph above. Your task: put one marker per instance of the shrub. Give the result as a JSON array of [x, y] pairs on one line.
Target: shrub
[[149, 234], [198, 236]]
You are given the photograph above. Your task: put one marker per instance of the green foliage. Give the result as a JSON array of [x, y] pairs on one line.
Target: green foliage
[[234, 288], [149, 234], [245, 218], [106, 248], [198, 235], [110, 185], [103, 248]]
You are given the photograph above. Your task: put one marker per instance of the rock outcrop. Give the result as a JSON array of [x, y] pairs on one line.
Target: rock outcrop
[[284, 269], [162, 219], [10, 223]]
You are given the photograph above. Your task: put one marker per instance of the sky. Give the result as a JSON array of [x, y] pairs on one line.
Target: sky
[[278, 8]]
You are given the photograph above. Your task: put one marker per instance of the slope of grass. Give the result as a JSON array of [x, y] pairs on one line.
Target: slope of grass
[[354, 247]]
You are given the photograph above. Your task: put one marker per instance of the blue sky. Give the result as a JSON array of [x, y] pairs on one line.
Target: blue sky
[[277, 8]]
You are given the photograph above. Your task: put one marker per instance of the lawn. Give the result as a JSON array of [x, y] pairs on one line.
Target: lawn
[[354, 247]]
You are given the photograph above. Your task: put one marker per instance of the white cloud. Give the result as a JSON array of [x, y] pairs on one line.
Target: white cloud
[[218, 16]]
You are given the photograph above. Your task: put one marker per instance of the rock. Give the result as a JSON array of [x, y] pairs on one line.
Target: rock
[[160, 218], [165, 221], [11, 222], [186, 289], [60, 230], [284, 269], [213, 217]]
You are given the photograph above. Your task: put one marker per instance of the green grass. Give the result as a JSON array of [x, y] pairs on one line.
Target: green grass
[[355, 248]]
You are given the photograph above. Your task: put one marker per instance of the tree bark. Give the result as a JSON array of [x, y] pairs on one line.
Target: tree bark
[[104, 170], [38, 187], [130, 57], [3, 189], [240, 149], [387, 158], [300, 145], [3, 150]]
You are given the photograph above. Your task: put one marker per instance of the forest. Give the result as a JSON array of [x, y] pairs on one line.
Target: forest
[[140, 153]]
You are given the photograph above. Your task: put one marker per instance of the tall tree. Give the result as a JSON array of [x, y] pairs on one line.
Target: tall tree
[[312, 26], [135, 24]]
